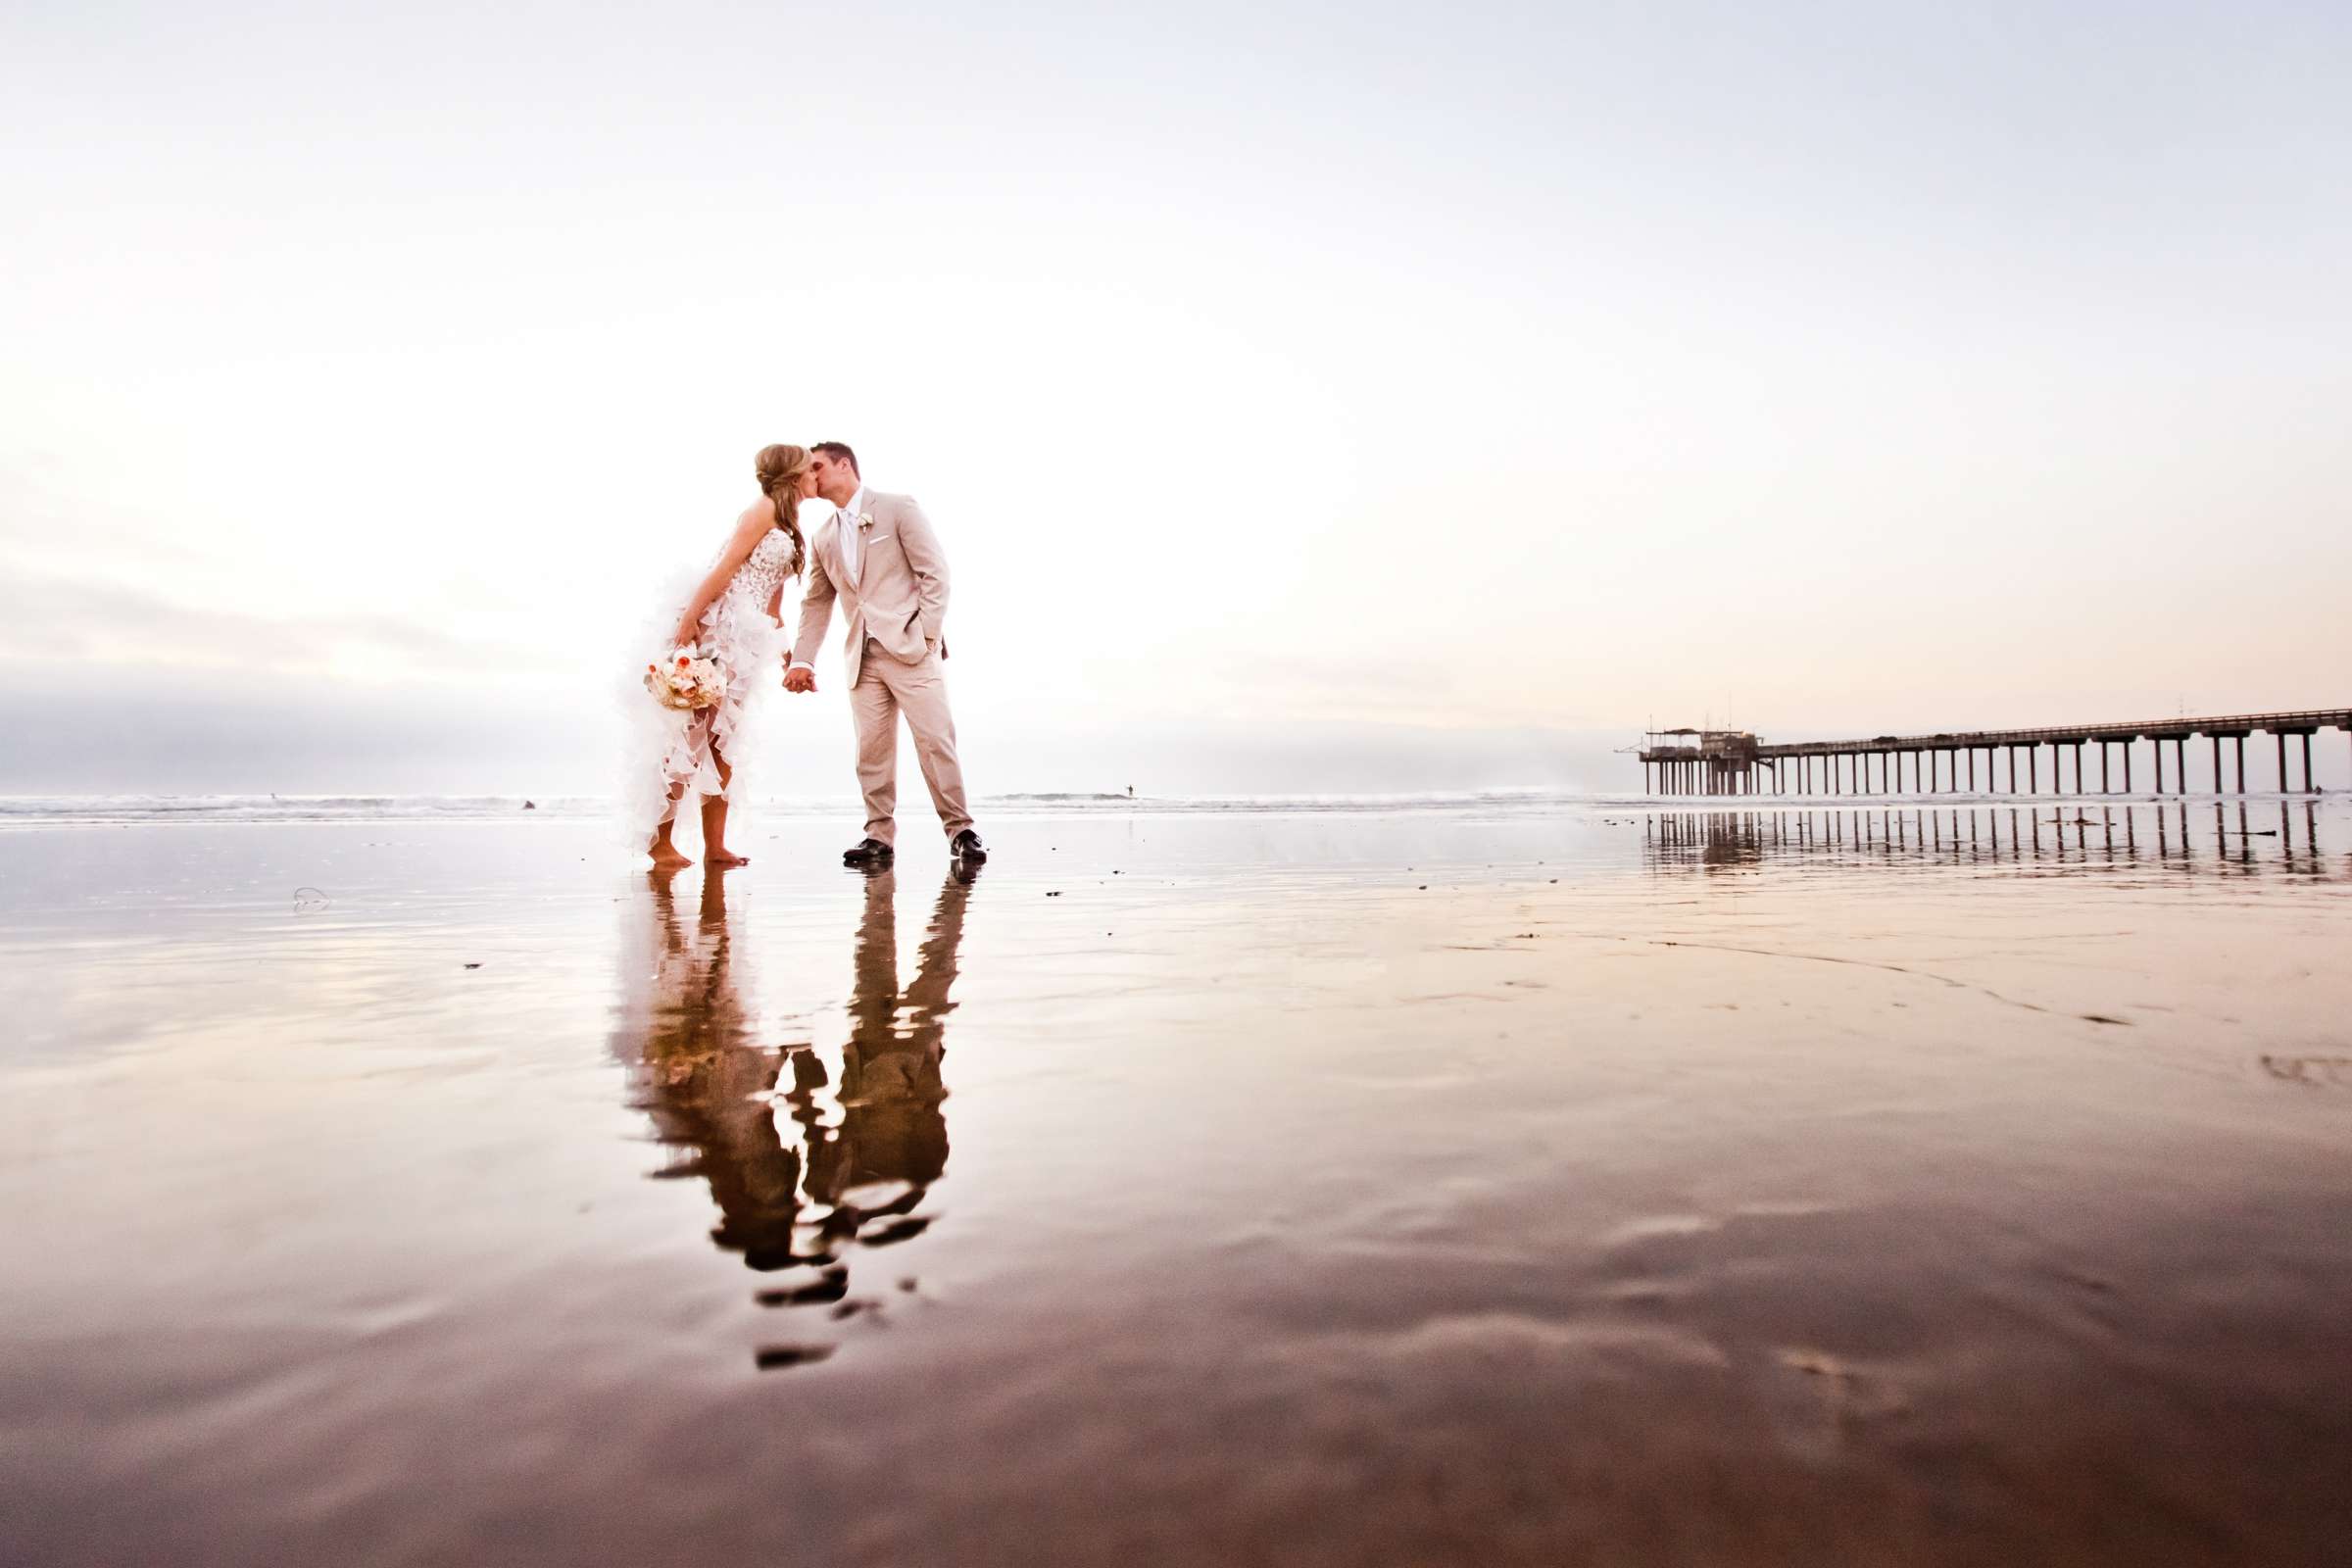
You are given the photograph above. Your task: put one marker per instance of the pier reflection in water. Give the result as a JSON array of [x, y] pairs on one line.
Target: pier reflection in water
[[2223, 838], [805, 1161]]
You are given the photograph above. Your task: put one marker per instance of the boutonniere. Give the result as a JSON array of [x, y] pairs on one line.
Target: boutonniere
[[865, 519]]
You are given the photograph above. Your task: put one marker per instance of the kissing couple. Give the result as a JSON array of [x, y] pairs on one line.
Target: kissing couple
[[878, 556]]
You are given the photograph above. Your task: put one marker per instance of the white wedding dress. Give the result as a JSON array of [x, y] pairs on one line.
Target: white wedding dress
[[670, 748]]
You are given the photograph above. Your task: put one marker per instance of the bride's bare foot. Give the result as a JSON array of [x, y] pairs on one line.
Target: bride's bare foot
[[668, 857], [726, 858]]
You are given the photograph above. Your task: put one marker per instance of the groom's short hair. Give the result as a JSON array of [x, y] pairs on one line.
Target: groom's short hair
[[840, 452]]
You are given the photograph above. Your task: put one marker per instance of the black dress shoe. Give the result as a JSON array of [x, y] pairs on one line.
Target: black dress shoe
[[968, 848], [874, 852]]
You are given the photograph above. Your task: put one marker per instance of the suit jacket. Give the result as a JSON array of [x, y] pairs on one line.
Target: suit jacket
[[899, 598]]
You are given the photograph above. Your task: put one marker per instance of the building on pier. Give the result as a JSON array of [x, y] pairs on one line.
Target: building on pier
[[1702, 762]]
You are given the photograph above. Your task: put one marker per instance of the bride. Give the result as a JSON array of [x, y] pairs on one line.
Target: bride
[[733, 618]]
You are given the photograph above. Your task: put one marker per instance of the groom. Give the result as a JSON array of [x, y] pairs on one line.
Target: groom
[[877, 554]]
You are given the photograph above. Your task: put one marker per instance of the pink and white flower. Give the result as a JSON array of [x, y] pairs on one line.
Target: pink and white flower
[[686, 680]]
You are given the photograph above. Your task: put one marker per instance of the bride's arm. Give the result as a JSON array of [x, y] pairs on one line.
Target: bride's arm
[[757, 519]]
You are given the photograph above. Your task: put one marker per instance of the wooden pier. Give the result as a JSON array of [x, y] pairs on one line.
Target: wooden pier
[[1724, 763]]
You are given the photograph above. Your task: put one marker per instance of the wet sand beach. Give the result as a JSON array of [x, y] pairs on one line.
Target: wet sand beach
[[1482, 1183]]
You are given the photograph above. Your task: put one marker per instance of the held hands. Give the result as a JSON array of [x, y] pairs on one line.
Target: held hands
[[800, 680]]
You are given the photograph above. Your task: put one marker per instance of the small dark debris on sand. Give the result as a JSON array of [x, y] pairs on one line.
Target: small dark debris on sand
[[770, 1357], [2314, 1070]]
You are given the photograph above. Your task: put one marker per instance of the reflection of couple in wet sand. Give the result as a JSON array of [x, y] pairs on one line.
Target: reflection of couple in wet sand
[[796, 1192]]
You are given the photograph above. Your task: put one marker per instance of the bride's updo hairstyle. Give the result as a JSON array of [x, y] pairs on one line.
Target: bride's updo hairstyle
[[780, 470]]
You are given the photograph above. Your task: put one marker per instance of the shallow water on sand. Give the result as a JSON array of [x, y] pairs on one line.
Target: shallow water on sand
[[1452, 1185]]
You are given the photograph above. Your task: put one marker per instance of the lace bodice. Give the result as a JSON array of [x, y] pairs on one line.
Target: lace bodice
[[765, 570]]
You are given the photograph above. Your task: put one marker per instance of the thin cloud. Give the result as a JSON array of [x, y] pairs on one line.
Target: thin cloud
[[54, 620]]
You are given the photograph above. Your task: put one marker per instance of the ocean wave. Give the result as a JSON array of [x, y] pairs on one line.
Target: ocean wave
[[69, 810], [54, 811]]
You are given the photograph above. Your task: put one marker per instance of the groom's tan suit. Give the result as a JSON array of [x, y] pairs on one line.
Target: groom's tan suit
[[891, 582]]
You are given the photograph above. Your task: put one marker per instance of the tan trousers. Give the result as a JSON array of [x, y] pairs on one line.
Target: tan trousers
[[885, 689]]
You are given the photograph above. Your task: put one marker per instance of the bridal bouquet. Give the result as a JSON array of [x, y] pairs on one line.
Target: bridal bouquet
[[685, 680]]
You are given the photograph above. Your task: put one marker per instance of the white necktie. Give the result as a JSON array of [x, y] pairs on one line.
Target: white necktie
[[851, 546]]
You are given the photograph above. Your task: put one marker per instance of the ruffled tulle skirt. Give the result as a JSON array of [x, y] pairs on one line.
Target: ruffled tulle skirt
[[674, 756]]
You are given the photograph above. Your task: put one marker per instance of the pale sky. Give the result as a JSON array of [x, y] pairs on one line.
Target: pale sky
[[1447, 378]]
